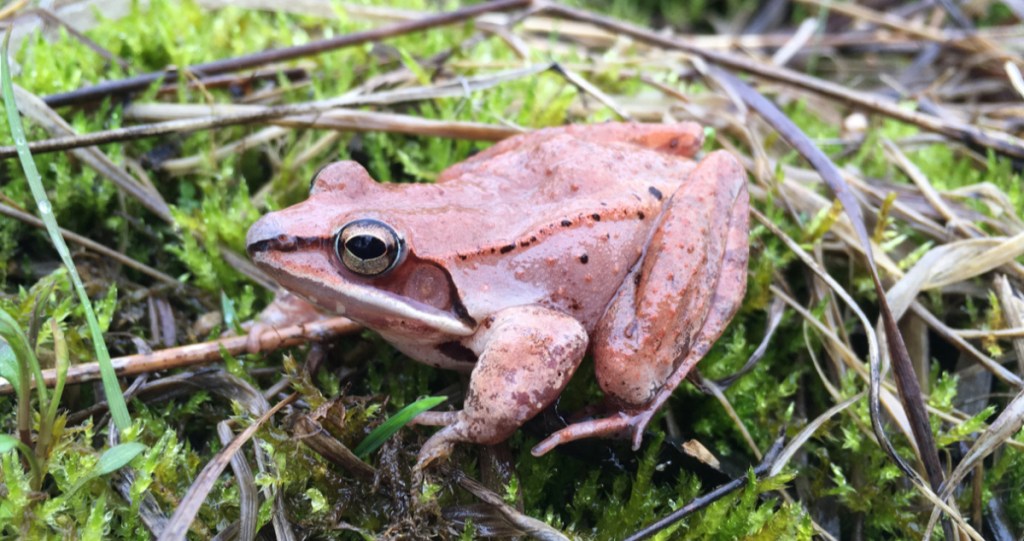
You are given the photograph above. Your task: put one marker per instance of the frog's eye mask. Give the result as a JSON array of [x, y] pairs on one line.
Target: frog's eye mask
[[368, 247]]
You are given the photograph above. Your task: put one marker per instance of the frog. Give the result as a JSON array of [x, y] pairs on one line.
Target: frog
[[610, 239]]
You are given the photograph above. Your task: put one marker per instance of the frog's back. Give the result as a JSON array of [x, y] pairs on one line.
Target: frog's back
[[554, 218]]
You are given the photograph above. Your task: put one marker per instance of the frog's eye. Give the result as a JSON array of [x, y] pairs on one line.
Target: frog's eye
[[368, 247]]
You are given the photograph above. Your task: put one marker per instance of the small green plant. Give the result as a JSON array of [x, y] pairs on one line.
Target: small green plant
[[386, 429], [112, 389]]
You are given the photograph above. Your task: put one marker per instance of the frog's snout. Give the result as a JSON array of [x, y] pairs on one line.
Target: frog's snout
[[266, 234]]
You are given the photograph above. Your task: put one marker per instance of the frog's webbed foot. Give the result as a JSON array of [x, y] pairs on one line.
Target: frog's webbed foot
[[526, 356]]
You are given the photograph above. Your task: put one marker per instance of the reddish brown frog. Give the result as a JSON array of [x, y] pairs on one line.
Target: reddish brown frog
[[519, 260]]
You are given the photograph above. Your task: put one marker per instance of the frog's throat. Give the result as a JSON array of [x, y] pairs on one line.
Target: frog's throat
[[353, 300]]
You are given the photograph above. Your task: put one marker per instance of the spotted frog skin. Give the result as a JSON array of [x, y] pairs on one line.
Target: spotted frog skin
[[605, 238]]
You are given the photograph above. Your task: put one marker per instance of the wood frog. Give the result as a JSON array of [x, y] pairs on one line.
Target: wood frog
[[605, 238]]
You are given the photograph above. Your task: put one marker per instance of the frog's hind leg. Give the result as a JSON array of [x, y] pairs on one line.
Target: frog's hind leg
[[526, 356], [674, 304]]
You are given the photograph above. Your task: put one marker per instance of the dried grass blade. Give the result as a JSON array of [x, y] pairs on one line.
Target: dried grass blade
[[999, 141], [534, 528], [885, 398], [186, 512], [248, 498], [805, 434], [250, 114], [1006, 425], [776, 310], [714, 390], [951, 263], [947, 334], [906, 379], [90, 244], [1013, 315]]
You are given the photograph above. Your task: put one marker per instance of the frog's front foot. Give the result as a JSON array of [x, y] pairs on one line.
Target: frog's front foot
[[526, 356], [286, 310]]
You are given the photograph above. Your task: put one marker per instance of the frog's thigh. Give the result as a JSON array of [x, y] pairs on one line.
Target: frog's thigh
[[526, 356], [690, 280]]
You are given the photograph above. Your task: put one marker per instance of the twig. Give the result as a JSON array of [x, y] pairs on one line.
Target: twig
[[31, 106], [203, 353], [140, 82], [255, 113]]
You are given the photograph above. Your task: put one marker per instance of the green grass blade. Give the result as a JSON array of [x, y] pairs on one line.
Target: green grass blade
[[23, 354], [7, 443], [115, 400], [60, 353], [380, 434], [118, 457], [110, 461], [9, 367], [24, 364]]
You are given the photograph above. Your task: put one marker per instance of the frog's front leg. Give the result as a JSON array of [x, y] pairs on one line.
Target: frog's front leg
[[526, 355], [674, 304], [286, 310]]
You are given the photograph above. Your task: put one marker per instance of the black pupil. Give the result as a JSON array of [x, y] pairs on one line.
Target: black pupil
[[366, 247]]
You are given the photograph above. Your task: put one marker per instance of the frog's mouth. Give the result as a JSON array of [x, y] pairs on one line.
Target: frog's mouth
[[302, 265]]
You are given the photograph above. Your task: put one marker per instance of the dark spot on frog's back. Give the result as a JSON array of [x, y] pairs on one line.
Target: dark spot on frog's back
[[566, 223], [655, 192], [641, 215], [508, 248], [596, 217], [584, 259], [457, 352]]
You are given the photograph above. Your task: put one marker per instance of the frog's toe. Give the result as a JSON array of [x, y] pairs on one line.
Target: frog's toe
[[605, 427], [622, 425], [263, 337], [435, 418], [438, 448]]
